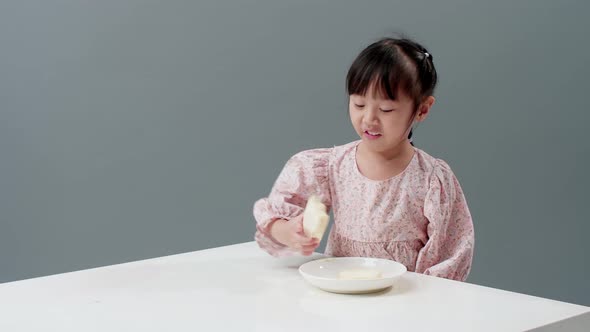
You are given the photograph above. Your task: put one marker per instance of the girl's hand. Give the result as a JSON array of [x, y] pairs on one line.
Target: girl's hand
[[290, 233]]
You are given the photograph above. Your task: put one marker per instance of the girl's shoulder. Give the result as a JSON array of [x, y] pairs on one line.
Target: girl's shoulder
[[432, 166], [325, 155]]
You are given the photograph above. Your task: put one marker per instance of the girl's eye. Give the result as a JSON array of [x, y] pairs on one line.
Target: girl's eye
[[359, 106], [387, 111]]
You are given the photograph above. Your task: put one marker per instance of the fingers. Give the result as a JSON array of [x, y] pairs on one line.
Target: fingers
[[311, 246], [308, 250], [303, 240], [305, 245], [298, 240], [298, 224]]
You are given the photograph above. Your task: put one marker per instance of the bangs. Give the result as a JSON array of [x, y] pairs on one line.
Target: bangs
[[384, 69]]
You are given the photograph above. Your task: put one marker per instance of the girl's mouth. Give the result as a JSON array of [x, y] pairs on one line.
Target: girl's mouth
[[371, 135]]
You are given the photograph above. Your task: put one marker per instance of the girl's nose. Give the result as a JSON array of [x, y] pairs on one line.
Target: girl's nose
[[370, 116]]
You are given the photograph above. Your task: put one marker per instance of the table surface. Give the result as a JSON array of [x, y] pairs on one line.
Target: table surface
[[241, 288]]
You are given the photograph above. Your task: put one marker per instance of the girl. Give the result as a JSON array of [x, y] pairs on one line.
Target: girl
[[389, 199]]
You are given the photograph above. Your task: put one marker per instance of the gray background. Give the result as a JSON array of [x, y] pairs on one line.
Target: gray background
[[136, 129]]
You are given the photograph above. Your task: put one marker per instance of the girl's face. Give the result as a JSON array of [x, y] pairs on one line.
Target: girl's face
[[383, 124]]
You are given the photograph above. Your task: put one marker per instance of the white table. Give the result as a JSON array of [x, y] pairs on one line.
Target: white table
[[241, 288]]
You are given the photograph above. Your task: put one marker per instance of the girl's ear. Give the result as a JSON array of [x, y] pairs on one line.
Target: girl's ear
[[424, 108]]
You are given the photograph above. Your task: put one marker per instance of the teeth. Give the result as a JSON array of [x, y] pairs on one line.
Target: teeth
[[371, 133]]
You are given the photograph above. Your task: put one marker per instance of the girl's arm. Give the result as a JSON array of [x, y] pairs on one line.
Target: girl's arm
[[449, 250], [305, 174]]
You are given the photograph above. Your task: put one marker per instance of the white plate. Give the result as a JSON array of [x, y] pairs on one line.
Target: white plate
[[324, 274]]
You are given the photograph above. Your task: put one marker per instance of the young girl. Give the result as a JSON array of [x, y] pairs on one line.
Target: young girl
[[390, 199]]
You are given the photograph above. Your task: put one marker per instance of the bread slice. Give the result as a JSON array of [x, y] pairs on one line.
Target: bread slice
[[315, 218]]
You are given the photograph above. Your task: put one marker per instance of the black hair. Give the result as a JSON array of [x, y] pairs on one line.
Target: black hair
[[393, 65]]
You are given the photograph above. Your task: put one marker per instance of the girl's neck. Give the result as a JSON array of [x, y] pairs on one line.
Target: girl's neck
[[382, 165]]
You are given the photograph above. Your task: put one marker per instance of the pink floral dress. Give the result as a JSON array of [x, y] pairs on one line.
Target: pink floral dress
[[419, 217]]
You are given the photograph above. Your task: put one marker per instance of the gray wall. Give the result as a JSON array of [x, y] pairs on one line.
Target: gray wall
[[136, 129]]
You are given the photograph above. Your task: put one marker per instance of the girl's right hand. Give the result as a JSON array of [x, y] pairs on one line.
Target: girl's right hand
[[290, 233]]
